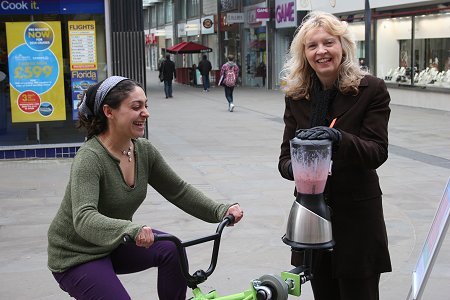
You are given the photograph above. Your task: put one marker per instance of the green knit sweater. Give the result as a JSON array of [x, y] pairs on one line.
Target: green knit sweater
[[98, 205]]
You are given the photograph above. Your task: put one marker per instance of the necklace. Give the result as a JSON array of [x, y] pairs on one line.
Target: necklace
[[127, 153]]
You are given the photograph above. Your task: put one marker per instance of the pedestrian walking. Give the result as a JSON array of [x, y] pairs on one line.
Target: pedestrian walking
[[204, 66], [229, 73], [167, 72], [108, 182], [328, 96]]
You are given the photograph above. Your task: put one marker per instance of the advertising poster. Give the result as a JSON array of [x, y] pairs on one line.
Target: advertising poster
[[83, 59], [35, 68], [81, 80]]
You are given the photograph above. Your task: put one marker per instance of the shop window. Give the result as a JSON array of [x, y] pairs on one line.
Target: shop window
[[226, 5], [254, 72], [193, 8], [146, 16], [62, 94], [358, 31], [392, 59], [181, 10], [153, 16], [422, 58], [160, 9], [168, 8]]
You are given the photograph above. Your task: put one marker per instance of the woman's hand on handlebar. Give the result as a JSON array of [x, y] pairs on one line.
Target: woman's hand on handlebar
[[236, 211], [145, 237]]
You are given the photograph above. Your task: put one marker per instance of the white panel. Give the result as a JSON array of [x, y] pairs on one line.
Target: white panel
[[342, 6], [429, 27], [387, 3], [358, 31]]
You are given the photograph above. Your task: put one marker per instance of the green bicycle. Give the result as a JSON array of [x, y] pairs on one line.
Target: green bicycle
[[266, 287]]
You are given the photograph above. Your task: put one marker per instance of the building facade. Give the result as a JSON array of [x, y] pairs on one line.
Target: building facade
[[407, 41], [51, 50]]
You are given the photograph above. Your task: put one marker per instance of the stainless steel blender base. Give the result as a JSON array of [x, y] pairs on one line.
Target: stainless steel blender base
[[306, 229]]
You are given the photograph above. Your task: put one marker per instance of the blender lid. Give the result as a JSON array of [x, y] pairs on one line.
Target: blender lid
[[312, 143]]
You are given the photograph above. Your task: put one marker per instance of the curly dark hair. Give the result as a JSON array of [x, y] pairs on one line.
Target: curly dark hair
[[97, 124]]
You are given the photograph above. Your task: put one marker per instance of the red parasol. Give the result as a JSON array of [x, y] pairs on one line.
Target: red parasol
[[188, 47]]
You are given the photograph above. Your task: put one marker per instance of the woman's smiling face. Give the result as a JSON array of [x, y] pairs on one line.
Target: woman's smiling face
[[324, 54], [130, 117]]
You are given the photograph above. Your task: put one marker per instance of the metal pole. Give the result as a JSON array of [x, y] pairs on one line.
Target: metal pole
[[38, 133], [367, 20], [413, 58], [219, 35], [109, 62]]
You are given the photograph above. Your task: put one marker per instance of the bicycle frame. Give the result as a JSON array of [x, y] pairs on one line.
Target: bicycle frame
[[263, 288]]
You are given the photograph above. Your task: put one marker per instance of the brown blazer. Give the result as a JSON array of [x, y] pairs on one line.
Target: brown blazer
[[353, 191]]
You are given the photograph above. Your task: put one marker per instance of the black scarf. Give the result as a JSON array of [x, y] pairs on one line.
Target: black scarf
[[321, 102]]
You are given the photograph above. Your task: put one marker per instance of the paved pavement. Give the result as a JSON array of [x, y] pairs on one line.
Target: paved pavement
[[233, 157]]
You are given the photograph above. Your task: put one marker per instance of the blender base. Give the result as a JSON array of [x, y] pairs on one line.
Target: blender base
[[303, 246]]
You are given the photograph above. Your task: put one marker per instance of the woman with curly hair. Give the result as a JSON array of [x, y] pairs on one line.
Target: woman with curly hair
[[328, 96]]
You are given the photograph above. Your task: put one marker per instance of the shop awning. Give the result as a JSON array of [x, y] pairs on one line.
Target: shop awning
[[188, 47]]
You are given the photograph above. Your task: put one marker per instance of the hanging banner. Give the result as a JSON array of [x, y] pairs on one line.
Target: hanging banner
[[83, 59], [35, 68]]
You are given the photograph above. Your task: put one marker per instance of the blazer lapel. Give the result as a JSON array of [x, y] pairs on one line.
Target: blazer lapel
[[342, 103]]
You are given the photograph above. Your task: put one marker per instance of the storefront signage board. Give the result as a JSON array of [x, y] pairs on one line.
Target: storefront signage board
[[35, 68], [285, 14], [35, 7], [207, 24], [192, 27], [235, 18], [83, 59], [262, 14]]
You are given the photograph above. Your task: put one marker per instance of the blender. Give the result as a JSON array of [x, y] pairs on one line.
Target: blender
[[309, 222]]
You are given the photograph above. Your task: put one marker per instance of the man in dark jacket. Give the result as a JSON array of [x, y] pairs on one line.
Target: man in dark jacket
[[167, 69], [204, 66]]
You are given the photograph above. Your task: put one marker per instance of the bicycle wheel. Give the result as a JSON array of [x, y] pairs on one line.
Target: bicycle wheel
[[277, 285]]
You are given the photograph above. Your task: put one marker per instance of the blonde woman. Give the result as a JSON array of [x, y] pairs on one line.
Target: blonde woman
[[328, 96]]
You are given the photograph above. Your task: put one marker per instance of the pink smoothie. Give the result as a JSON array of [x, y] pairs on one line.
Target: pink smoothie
[[310, 186], [310, 181]]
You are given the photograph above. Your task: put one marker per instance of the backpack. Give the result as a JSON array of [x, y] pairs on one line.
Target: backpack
[[230, 77]]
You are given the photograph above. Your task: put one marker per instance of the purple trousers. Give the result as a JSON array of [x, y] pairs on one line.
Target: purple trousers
[[98, 279]]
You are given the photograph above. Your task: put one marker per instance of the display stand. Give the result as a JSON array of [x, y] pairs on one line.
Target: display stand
[[431, 247]]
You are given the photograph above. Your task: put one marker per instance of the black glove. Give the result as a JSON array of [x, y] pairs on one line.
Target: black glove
[[320, 133]]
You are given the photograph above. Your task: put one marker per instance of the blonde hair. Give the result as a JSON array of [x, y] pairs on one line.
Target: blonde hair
[[298, 72]]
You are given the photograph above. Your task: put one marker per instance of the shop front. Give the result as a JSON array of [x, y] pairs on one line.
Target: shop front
[[286, 17], [255, 45], [416, 49], [50, 52]]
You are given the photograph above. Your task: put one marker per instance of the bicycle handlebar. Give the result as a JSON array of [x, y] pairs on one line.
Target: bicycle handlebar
[[199, 276]]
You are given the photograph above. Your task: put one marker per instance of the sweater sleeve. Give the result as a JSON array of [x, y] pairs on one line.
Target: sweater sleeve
[[183, 195], [89, 223]]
